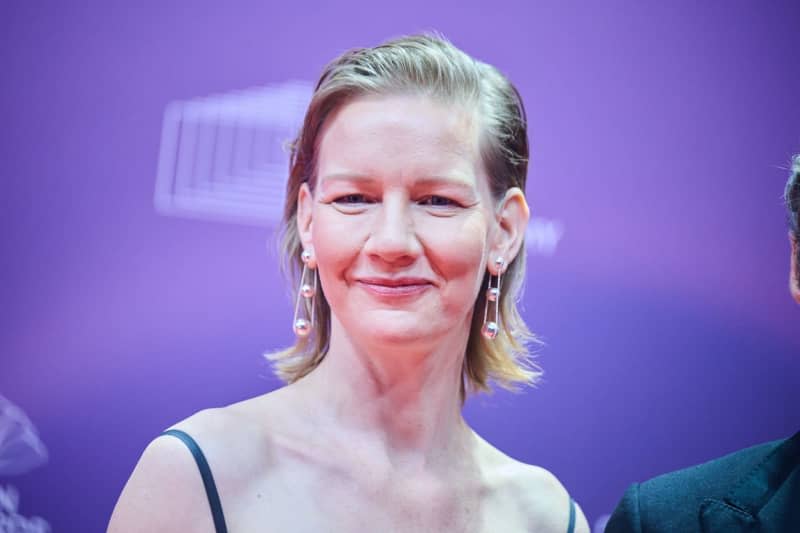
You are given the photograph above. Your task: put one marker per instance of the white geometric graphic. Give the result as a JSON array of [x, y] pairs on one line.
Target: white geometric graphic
[[543, 235], [13, 522], [21, 450], [224, 157]]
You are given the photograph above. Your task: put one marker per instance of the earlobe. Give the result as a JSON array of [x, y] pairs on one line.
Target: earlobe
[[305, 205], [512, 221]]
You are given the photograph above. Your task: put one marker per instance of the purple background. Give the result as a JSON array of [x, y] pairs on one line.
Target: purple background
[[660, 136]]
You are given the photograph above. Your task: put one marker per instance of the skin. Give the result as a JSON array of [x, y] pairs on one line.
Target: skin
[[401, 226]]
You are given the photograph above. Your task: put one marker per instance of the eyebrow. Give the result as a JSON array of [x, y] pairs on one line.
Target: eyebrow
[[427, 181]]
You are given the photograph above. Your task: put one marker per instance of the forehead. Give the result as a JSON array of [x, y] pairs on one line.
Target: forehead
[[400, 136]]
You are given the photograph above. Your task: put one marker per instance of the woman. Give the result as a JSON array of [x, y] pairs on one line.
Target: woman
[[405, 218]]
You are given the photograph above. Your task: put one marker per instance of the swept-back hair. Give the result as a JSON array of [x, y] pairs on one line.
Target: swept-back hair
[[429, 66]]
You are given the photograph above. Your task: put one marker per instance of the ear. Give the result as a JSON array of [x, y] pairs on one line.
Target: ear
[[305, 207], [512, 220], [794, 271]]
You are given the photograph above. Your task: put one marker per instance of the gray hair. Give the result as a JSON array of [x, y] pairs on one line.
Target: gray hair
[[430, 66]]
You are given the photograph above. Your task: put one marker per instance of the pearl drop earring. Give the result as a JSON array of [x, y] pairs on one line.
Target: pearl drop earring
[[303, 326], [491, 328]]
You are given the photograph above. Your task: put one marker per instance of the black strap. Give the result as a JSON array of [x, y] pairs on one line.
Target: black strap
[[571, 525], [208, 479]]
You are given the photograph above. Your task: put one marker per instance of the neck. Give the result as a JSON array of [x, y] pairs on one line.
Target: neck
[[405, 399]]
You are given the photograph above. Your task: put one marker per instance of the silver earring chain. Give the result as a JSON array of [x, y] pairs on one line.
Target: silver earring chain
[[491, 328], [307, 293]]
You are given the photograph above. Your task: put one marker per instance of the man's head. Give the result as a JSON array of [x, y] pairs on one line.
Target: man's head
[[792, 198]]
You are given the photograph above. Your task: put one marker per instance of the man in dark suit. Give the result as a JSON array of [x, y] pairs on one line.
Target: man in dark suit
[[757, 489]]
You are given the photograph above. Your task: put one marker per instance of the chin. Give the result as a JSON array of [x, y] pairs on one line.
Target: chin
[[400, 336], [400, 330]]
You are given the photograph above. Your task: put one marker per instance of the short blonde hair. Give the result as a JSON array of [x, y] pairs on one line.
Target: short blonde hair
[[427, 65]]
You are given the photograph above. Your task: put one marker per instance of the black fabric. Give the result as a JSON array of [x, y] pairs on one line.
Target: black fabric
[[756, 489], [571, 526], [208, 478]]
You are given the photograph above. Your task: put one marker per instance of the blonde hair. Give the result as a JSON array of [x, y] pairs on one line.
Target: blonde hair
[[426, 65]]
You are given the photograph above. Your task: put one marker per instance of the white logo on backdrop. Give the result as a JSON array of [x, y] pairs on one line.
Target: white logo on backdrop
[[21, 451], [223, 157], [543, 235]]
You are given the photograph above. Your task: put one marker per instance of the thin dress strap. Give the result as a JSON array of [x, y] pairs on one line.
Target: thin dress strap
[[571, 525], [208, 479]]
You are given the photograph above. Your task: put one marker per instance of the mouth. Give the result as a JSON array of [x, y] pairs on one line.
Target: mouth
[[394, 286]]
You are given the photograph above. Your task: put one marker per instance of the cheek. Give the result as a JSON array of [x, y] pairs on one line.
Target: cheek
[[458, 253], [337, 242]]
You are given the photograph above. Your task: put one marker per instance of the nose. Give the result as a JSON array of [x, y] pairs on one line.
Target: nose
[[393, 237]]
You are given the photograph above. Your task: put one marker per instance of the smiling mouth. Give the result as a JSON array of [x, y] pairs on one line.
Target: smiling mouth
[[400, 287]]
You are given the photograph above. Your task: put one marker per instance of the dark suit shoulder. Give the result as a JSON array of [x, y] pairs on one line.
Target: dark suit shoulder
[[713, 479], [670, 502]]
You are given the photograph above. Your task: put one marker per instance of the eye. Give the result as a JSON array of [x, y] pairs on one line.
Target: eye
[[438, 201], [352, 199]]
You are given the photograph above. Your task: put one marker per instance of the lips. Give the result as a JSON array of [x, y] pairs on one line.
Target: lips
[[394, 286]]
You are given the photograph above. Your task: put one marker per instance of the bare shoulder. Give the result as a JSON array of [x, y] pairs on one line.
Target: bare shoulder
[[545, 500], [165, 492], [540, 497]]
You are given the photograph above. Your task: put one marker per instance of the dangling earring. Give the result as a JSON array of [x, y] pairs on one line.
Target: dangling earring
[[492, 327], [303, 326]]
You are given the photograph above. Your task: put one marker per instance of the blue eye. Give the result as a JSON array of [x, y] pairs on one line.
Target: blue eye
[[438, 201], [351, 199]]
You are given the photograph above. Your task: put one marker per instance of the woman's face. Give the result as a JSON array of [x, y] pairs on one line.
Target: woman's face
[[401, 220]]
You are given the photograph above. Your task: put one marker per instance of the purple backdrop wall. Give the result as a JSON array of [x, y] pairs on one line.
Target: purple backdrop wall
[[660, 135]]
